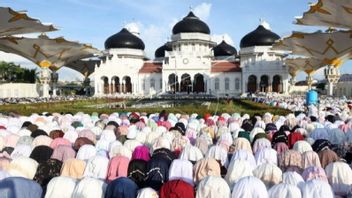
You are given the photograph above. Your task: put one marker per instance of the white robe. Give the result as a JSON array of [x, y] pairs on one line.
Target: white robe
[[60, 187]]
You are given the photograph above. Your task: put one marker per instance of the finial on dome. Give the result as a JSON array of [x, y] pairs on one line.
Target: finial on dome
[[190, 8], [133, 28], [265, 24]]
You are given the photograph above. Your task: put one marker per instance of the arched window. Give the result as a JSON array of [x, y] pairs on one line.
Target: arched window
[[227, 84], [152, 83], [237, 84], [160, 84], [217, 84]]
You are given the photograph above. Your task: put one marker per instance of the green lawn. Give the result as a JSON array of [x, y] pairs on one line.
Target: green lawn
[[90, 106]]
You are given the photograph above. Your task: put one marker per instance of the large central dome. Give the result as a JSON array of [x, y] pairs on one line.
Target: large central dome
[[191, 24], [124, 39], [259, 37]]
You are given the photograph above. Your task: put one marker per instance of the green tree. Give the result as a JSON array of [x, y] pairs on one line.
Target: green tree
[[10, 72]]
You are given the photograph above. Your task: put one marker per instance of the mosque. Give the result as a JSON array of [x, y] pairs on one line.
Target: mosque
[[191, 63]]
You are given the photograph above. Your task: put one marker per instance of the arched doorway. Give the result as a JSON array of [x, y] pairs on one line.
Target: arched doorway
[[173, 83], [252, 84], [127, 84], [105, 81], [117, 85], [264, 83], [277, 84], [186, 83], [198, 83]]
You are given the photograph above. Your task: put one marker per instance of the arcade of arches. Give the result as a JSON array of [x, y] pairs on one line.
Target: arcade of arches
[[116, 85], [187, 84], [264, 84]]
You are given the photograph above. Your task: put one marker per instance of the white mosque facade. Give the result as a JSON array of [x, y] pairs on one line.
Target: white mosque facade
[[191, 63]]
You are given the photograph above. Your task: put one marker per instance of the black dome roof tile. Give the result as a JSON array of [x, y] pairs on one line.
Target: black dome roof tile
[[124, 39], [224, 49], [259, 37], [189, 24], [160, 52]]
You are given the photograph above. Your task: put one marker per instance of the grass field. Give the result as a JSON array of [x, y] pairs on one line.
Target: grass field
[[90, 106]]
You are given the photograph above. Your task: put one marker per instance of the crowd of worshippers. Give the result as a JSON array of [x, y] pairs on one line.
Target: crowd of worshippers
[[298, 103], [176, 155], [31, 100]]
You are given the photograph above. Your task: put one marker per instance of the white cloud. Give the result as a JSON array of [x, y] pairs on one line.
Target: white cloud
[[172, 23], [67, 74], [202, 10], [153, 37], [219, 37], [134, 28], [8, 57], [319, 74]]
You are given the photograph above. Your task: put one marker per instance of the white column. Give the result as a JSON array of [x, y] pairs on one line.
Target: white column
[[44, 80], [46, 88], [330, 88], [163, 84], [309, 81], [102, 91], [113, 89], [109, 86], [96, 86], [244, 84], [55, 79], [285, 86], [192, 79], [332, 76]]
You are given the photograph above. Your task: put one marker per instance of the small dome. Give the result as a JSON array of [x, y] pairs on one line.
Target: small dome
[[160, 52], [124, 39], [189, 24], [259, 37], [224, 49]]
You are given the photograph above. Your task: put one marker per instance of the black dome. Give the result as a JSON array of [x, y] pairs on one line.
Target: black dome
[[224, 49], [191, 23], [259, 37], [124, 39], [160, 52]]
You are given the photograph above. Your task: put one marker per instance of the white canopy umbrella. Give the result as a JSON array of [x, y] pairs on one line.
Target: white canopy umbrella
[[47, 52], [85, 67], [333, 48], [329, 13], [308, 65], [12, 23]]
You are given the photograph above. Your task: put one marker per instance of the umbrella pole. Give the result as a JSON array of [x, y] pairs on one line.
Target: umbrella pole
[[309, 81]]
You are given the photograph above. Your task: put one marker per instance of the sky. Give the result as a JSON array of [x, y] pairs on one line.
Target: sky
[[93, 21]]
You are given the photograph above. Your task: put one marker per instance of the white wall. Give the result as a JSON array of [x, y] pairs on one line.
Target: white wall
[[261, 60], [222, 91], [145, 86], [124, 62], [18, 90]]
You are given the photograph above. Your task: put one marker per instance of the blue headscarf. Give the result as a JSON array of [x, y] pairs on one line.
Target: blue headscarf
[[13, 187], [320, 133], [121, 187]]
